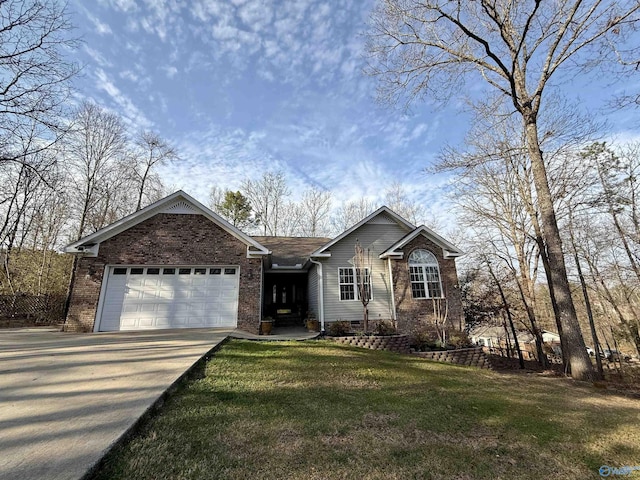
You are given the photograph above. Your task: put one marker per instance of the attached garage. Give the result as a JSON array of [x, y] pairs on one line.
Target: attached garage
[[173, 264], [159, 297]]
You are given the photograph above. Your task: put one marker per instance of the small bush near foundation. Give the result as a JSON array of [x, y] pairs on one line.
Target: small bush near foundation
[[424, 339], [457, 339], [339, 328], [384, 328]]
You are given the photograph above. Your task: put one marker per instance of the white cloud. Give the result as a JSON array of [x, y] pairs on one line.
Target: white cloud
[[96, 56], [256, 15], [129, 111], [100, 28], [129, 75], [123, 5], [171, 71]]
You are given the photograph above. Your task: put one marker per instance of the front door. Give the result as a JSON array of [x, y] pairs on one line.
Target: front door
[[286, 297]]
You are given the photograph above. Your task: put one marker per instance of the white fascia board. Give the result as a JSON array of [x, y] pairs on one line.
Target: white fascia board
[[398, 255], [257, 253], [149, 211], [321, 255], [120, 225], [287, 268], [88, 250], [448, 249], [383, 209]]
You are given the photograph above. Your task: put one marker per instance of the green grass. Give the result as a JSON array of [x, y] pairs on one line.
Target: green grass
[[317, 410]]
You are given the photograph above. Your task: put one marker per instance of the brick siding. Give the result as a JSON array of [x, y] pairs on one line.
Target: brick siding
[[167, 239], [413, 312]]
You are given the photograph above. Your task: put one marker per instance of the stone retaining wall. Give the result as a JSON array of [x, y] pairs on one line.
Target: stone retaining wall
[[473, 357], [392, 343]]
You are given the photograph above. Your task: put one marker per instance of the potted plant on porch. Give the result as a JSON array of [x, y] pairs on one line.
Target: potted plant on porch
[[266, 325], [312, 322]]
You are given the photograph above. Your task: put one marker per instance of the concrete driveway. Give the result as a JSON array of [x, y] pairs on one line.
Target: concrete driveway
[[66, 398]]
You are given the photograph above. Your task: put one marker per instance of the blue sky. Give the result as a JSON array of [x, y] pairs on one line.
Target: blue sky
[[244, 86]]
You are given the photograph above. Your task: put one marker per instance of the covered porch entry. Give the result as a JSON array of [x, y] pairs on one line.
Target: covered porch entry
[[285, 298]]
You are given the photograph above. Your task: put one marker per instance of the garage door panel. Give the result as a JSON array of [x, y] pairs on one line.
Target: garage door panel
[[152, 296], [126, 322], [163, 297], [163, 323]]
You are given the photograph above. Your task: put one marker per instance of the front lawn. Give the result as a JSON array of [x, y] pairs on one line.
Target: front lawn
[[317, 410]]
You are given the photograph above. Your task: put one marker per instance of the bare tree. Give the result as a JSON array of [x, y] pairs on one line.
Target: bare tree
[[268, 198], [350, 213], [291, 219], [431, 47], [216, 197], [362, 264], [617, 202], [34, 37], [94, 151], [314, 209], [586, 296], [396, 199], [150, 151], [492, 199], [507, 310]]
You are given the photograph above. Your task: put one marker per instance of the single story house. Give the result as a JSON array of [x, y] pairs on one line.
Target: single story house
[[177, 264], [498, 339]]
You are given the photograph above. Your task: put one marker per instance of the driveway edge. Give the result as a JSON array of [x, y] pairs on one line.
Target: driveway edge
[[190, 373]]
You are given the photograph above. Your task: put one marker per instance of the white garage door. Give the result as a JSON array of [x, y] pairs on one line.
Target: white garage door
[[146, 298]]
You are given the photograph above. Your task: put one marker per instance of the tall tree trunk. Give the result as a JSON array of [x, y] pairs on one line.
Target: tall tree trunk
[[542, 357], [143, 182], [576, 351], [587, 305], [587, 301], [508, 311], [552, 298]]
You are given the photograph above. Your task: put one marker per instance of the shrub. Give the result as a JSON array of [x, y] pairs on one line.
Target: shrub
[[458, 339], [384, 328], [424, 338], [339, 328]]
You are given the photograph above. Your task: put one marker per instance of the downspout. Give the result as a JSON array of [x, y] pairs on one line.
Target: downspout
[[261, 293], [393, 294], [320, 294]]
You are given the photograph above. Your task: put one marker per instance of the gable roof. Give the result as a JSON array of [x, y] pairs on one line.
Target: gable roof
[[290, 251], [448, 249], [322, 251], [178, 202]]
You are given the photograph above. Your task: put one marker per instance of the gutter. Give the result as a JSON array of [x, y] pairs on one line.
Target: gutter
[[320, 293]]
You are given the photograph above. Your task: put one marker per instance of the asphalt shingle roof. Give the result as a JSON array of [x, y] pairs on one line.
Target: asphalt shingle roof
[[290, 251]]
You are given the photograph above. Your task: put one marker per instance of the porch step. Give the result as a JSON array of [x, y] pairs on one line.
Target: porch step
[[288, 321]]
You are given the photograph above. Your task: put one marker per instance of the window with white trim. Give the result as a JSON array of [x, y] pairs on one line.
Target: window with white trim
[[424, 274], [348, 283]]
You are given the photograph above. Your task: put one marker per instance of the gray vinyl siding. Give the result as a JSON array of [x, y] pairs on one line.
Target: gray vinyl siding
[[312, 287], [378, 237]]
